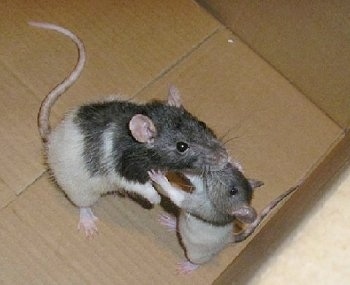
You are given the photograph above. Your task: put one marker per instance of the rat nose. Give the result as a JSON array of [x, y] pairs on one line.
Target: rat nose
[[245, 214]]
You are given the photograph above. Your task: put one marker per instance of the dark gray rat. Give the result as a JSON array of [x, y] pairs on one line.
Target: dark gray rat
[[208, 214], [103, 146]]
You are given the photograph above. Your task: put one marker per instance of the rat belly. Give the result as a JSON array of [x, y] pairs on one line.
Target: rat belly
[[202, 240], [66, 160]]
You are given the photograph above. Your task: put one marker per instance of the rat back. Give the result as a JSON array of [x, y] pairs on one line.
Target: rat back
[[74, 172]]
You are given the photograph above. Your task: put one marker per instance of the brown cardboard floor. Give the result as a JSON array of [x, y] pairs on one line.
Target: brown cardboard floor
[[40, 244]]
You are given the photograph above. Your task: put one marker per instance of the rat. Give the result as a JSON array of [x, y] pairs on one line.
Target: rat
[[100, 147], [208, 214]]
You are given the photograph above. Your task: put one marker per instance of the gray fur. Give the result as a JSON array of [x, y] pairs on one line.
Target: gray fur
[[208, 214]]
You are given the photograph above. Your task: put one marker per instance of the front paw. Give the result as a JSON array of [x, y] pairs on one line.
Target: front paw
[[157, 176]]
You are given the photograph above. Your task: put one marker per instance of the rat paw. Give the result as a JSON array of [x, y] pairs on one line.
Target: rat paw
[[89, 228], [157, 176], [168, 221], [87, 222], [186, 267]]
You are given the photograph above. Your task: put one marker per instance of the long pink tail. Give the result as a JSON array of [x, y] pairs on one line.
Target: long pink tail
[[252, 227], [51, 98]]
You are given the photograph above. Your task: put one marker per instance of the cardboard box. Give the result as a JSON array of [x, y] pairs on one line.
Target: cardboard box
[[308, 44], [281, 133]]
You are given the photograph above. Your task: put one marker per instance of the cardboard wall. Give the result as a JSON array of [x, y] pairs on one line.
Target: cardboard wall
[[307, 41]]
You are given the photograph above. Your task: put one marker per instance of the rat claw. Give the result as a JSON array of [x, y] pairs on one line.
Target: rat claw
[[157, 176], [168, 221], [150, 173], [89, 228], [87, 222], [186, 267]]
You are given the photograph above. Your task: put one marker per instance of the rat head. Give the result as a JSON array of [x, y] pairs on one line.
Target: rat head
[[177, 139], [231, 193]]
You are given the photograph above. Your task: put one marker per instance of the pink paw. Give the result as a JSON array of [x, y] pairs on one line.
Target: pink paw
[[157, 176], [87, 222], [168, 221], [186, 267]]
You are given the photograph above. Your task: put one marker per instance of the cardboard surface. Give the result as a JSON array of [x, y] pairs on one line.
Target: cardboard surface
[[40, 244], [20, 144], [278, 135], [307, 41]]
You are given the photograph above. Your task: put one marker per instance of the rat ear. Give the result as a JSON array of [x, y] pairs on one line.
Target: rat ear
[[142, 128], [255, 183], [174, 97]]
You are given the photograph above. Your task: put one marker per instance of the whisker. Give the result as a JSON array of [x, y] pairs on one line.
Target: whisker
[[231, 139], [225, 134]]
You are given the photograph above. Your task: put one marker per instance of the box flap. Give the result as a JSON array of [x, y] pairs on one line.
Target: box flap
[[6, 194], [293, 216], [308, 42], [20, 158]]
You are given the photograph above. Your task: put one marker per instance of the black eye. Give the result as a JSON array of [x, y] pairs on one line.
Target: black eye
[[233, 191], [181, 146]]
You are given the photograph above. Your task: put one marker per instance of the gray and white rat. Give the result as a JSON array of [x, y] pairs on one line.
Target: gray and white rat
[[103, 146], [207, 217]]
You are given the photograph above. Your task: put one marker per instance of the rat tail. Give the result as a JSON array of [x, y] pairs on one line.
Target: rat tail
[[55, 93], [252, 227]]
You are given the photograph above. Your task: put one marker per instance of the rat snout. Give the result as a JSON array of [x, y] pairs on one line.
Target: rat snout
[[245, 214]]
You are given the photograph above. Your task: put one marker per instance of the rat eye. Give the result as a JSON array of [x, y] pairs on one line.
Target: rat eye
[[233, 191], [181, 146]]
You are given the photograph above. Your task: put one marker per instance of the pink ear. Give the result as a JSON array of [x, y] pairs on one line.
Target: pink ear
[[174, 97], [255, 183], [142, 128]]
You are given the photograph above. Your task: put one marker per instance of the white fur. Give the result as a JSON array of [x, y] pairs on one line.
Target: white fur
[[66, 161], [201, 239], [65, 158]]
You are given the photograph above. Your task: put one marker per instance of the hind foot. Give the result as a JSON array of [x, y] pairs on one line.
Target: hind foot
[[186, 267], [87, 222]]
